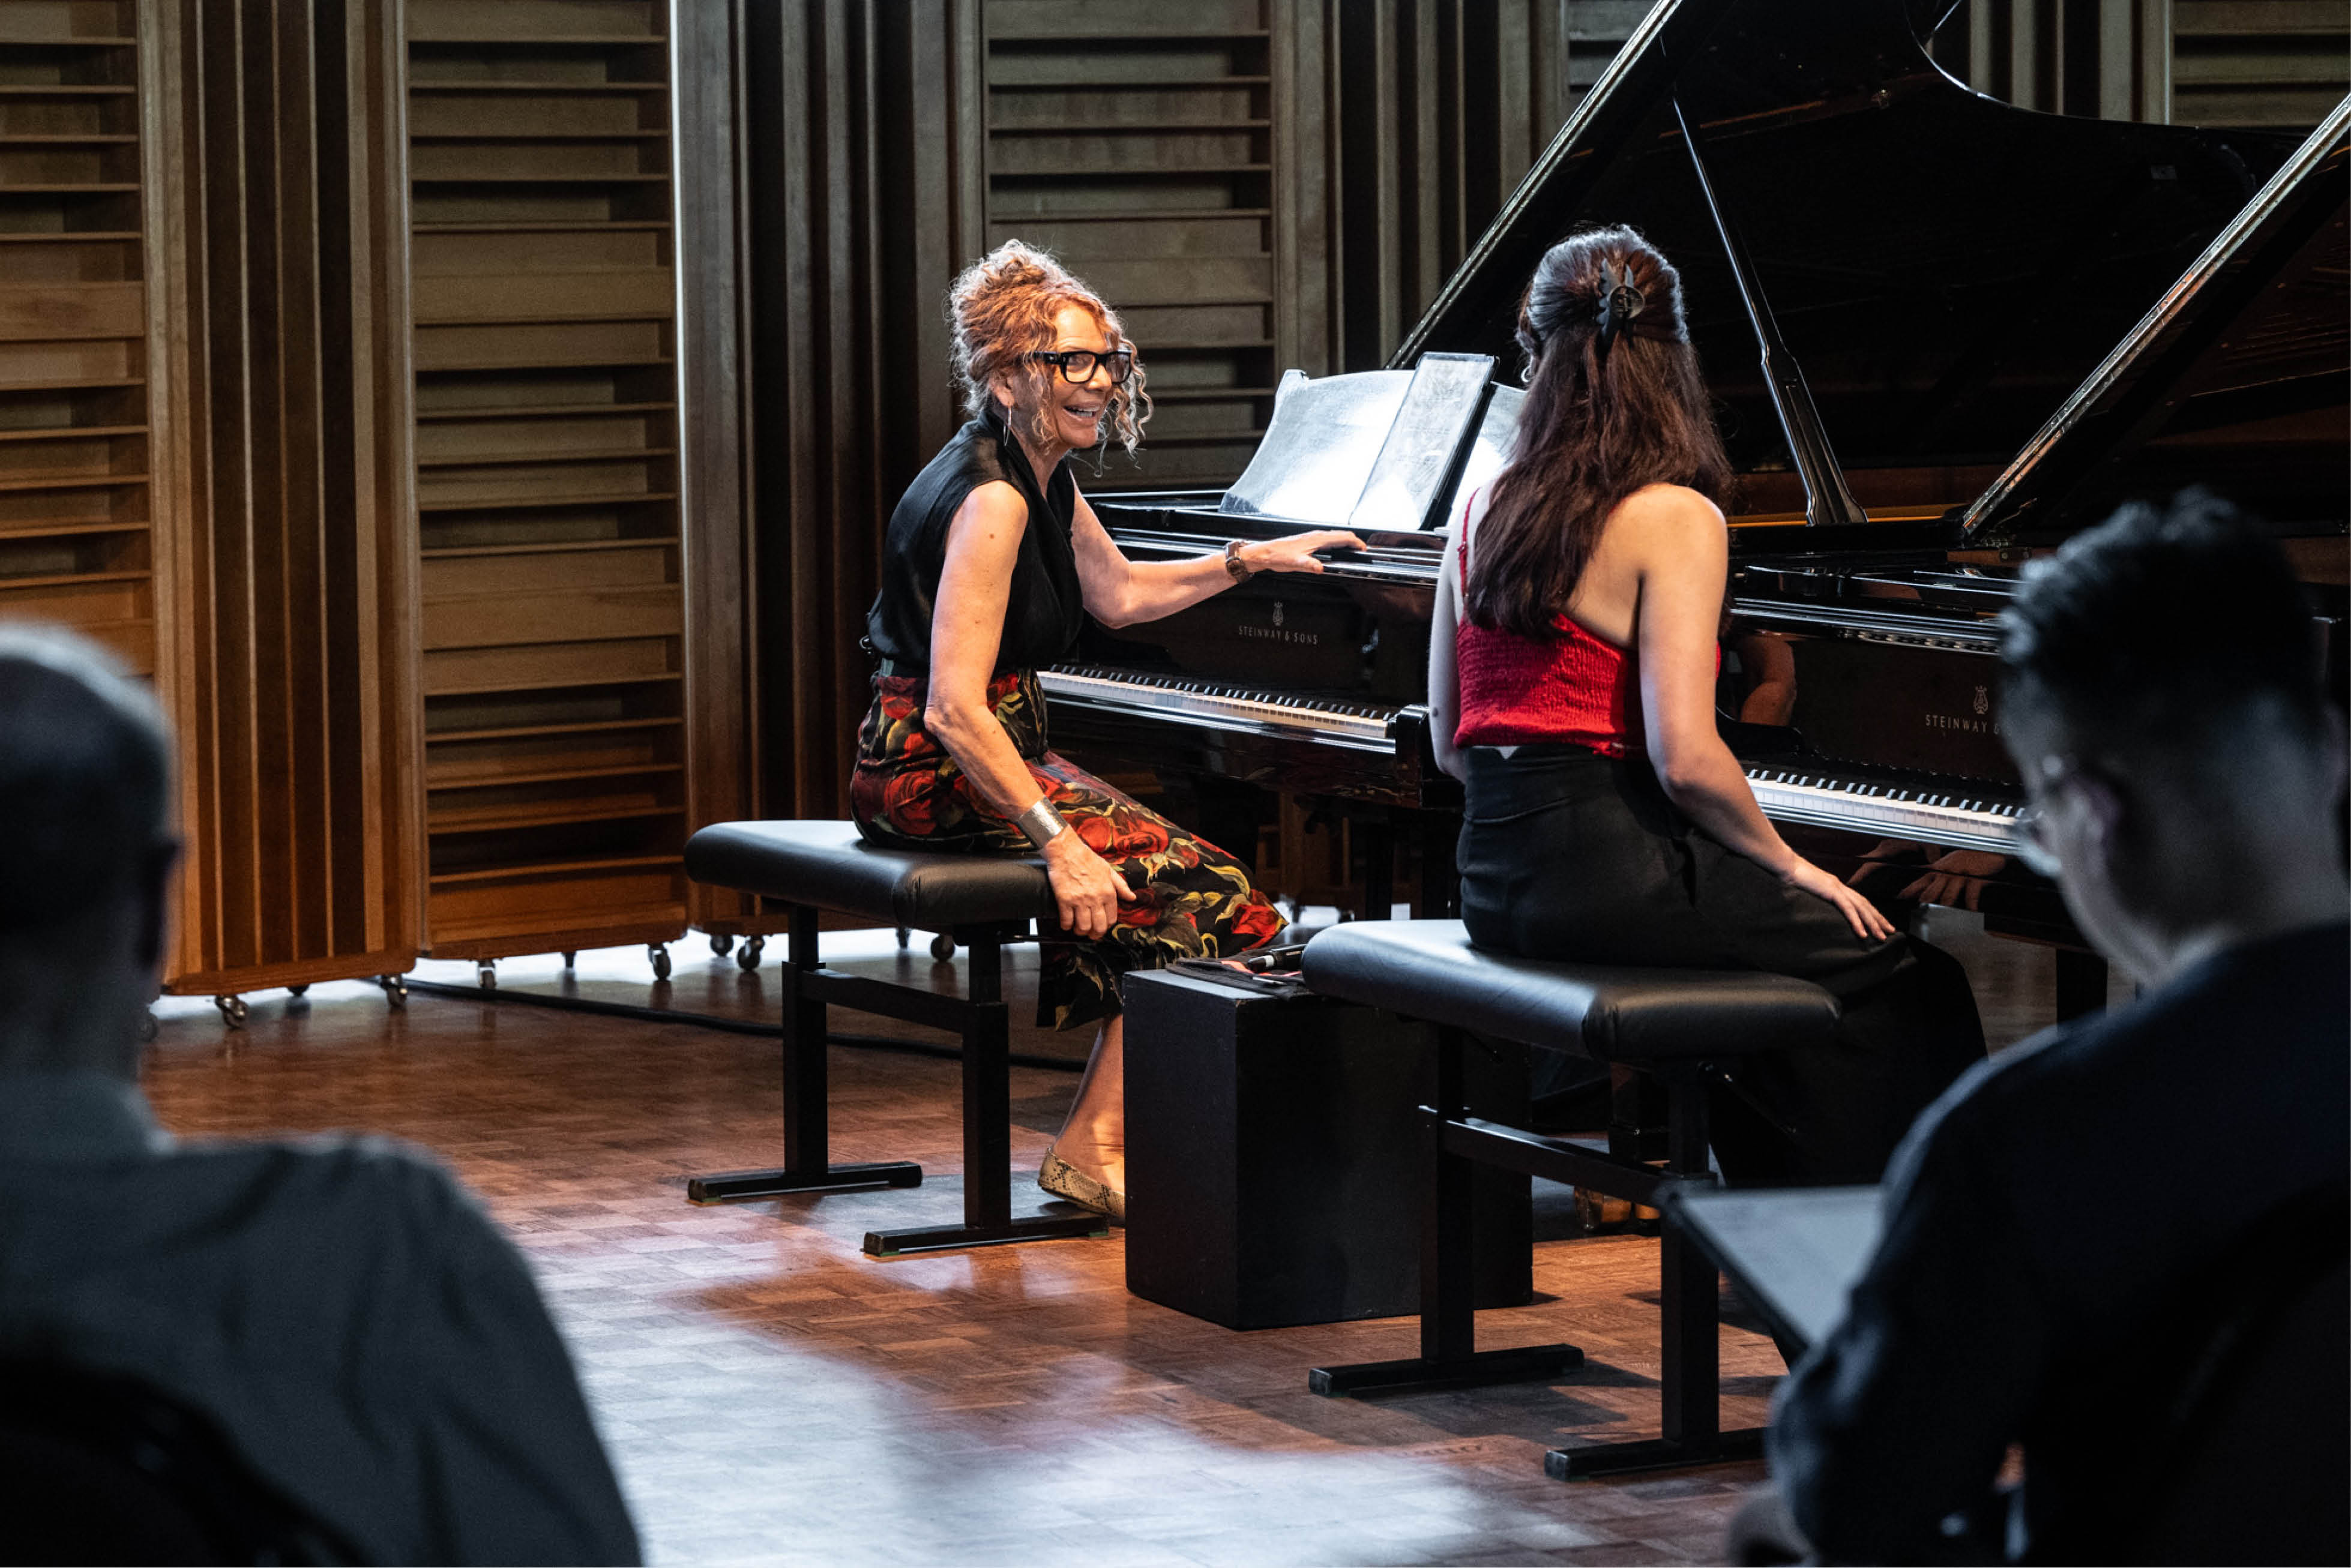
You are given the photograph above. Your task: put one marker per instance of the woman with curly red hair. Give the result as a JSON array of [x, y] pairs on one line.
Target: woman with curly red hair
[[992, 563]]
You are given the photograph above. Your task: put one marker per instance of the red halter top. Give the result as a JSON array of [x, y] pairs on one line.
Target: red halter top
[[1572, 687]]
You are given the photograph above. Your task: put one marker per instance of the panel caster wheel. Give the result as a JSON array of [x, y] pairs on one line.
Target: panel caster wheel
[[395, 989], [232, 1011], [301, 990], [747, 958], [722, 946], [943, 948], [149, 1028], [485, 970], [660, 956], [568, 956]]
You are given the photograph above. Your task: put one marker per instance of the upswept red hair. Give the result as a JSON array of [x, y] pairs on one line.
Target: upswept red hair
[[1003, 308]]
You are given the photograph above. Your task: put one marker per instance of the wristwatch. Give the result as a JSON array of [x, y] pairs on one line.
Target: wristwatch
[[1241, 569]]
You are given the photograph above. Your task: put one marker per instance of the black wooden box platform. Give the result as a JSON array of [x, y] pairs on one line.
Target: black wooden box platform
[[1273, 1160]]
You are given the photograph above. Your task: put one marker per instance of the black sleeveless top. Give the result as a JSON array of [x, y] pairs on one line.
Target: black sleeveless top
[[1046, 608]]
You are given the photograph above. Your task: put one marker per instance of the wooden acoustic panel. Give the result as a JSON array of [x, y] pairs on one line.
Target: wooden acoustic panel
[[202, 451], [551, 558], [76, 501], [286, 586]]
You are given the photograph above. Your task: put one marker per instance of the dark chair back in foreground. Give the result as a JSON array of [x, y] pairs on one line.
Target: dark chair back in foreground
[[2253, 1464], [96, 1468]]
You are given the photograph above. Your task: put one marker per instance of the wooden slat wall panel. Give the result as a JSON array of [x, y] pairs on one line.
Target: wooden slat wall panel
[[1138, 144], [2272, 64], [1435, 109], [76, 507], [859, 198], [282, 479], [553, 558]]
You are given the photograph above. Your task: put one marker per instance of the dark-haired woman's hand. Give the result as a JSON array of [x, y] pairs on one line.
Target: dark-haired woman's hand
[[1087, 889], [1296, 553], [1859, 913]]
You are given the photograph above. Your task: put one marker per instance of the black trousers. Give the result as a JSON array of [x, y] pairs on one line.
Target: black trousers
[[1569, 854]]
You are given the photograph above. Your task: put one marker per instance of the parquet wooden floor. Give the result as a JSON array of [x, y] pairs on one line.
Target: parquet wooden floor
[[770, 1394]]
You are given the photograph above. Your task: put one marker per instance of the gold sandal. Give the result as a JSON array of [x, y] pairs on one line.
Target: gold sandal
[[1066, 1182]]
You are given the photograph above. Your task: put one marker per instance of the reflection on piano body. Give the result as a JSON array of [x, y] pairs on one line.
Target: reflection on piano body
[[1985, 327]]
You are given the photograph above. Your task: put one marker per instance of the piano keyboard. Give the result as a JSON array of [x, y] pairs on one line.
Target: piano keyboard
[[1876, 806], [1363, 727]]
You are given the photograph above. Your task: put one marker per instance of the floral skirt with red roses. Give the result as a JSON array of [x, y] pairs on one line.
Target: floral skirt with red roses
[[1194, 901]]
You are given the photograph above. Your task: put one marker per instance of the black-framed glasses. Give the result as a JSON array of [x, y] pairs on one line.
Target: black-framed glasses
[[1078, 365], [2032, 840], [2032, 846]]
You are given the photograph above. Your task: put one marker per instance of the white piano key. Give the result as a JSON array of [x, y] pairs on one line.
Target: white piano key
[[1862, 806], [1226, 706]]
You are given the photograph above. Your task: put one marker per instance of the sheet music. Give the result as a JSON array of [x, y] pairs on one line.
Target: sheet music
[[1496, 433], [1318, 453], [1423, 442]]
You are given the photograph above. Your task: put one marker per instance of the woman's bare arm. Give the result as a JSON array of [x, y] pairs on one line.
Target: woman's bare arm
[[966, 630], [1120, 592], [1683, 556], [1444, 675]]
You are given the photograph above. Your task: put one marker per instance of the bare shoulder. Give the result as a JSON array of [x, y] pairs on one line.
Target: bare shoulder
[[1669, 519], [997, 502], [990, 522]]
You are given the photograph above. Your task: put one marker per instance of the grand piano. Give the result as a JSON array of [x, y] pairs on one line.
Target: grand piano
[[1944, 333]]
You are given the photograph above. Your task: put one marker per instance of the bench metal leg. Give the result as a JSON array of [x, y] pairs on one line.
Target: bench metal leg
[[808, 1163], [1690, 1380], [987, 1128], [1448, 1355]]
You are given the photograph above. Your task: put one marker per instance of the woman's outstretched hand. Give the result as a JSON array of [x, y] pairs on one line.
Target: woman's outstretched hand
[[1859, 913], [1296, 553], [1086, 888]]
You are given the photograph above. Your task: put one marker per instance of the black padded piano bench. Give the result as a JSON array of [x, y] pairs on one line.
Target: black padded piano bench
[[981, 901], [1676, 1025]]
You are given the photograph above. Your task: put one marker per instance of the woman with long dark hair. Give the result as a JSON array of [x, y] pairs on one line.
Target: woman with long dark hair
[[1571, 676]]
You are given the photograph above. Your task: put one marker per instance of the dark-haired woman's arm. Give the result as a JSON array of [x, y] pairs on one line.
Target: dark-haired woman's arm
[[1683, 556], [1444, 675]]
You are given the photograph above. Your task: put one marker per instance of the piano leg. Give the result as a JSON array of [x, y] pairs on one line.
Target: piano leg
[[1378, 834], [2081, 984]]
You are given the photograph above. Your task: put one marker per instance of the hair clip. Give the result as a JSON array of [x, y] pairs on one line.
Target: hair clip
[[1619, 301]]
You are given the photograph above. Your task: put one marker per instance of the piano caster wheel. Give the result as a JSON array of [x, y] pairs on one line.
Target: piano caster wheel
[[485, 970], [748, 958], [722, 946], [302, 990], [232, 1011], [568, 956], [942, 947], [148, 1029], [660, 956], [395, 989], [905, 934]]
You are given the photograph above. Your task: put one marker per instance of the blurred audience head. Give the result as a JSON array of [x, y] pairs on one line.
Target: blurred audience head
[[2162, 696], [86, 852]]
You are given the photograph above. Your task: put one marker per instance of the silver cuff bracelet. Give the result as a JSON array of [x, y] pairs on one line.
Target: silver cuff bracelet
[[1041, 823]]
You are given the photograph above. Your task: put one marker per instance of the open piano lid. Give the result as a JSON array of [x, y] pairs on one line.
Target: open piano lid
[[1947, 269], [2236, 378]]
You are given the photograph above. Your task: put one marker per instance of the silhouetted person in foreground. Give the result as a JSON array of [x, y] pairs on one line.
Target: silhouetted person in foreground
[[2161, 697], [341, 1309]]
